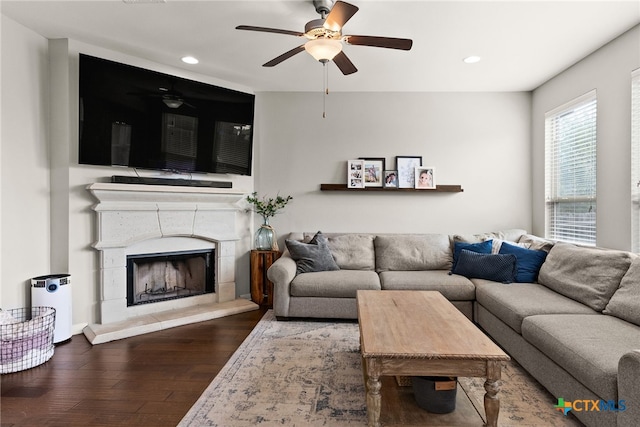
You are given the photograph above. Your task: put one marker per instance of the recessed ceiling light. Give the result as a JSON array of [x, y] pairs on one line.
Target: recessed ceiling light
[[190, 60], [471, 59]]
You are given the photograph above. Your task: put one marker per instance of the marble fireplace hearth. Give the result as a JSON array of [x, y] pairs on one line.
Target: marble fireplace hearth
[[144, 324], [137, 219]]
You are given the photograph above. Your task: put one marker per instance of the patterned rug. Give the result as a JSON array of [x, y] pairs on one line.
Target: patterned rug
[[297, 373]]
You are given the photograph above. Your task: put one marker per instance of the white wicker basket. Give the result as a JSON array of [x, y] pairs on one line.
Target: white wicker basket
[[26, 338]]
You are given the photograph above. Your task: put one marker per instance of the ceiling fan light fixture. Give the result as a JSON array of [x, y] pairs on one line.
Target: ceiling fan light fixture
[[172, 102], [323, 49]]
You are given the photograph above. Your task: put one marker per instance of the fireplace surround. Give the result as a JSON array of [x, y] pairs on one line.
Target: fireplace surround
[[135, 219]]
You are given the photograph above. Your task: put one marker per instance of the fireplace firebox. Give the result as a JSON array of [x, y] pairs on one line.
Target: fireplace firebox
[[169, 275]]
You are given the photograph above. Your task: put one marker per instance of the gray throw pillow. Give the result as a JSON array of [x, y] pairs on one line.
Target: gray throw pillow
[[313, 256], [536, 243], [625, 302]]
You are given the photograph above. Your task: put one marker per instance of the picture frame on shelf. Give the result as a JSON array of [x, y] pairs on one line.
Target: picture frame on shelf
[[425, 178], [390, 179], [373, 171], [406, 166], [355, 173]]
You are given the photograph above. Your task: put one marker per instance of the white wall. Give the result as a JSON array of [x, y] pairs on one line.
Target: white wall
[[608, 70], [477, 140], [24, 165]]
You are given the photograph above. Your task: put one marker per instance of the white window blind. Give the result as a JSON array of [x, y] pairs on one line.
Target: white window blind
[[570, 171], [635, 160]]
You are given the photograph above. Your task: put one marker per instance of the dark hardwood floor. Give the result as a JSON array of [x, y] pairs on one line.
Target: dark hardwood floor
[[149, 380]]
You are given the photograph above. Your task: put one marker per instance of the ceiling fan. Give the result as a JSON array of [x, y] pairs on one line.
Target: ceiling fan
[[173, 98], [170, 96], [325, 38]]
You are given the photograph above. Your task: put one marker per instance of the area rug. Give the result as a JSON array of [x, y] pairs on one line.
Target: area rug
[[297, 373]]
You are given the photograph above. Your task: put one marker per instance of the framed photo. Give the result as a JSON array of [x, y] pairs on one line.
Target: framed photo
[[390, 179], [373, 171], [406, 166], [425, 177], [355, 173]]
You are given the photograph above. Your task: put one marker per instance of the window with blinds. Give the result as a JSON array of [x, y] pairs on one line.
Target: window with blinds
[[232, 147], [570, 171], [635, 161]]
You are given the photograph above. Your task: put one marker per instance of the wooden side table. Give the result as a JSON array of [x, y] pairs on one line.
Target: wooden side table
[[261, 287]]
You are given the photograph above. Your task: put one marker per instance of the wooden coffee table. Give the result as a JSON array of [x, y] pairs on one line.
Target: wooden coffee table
[[422, 333]]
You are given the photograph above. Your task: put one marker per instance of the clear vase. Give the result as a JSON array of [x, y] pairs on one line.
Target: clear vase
[[265, 237]]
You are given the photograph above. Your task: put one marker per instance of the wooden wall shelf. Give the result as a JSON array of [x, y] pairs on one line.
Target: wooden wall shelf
[[438, 189]]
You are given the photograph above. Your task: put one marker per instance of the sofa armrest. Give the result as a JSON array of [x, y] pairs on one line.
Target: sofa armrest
[[629, 388], [281, 273]]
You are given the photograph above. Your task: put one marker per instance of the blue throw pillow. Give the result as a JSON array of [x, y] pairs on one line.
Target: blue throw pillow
[[528, 261], [481, 248], [496, 267]]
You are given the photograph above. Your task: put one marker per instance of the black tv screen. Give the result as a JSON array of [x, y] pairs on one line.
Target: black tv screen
[[144, 119]]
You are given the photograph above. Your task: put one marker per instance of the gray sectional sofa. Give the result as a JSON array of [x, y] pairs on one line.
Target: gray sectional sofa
[[575, 329]]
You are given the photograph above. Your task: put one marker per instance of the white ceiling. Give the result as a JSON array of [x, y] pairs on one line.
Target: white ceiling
[[522, 43]]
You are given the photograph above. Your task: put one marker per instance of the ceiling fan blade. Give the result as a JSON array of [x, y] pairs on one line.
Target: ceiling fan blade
[[340, 13], [286, 55], [344, 64], [387, 42], [269, 30]]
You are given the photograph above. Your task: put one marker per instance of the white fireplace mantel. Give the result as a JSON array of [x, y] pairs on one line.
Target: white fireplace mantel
[[138, 218], [158, 210], [107, 192]]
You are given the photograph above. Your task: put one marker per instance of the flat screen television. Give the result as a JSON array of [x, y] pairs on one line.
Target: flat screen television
[[139, 118]]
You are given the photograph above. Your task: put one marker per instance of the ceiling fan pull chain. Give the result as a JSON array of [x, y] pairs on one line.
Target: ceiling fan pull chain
[[326, 74], [325, 92]]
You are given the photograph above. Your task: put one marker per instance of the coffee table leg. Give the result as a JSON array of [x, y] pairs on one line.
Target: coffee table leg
[[492, 387], [373, 385]]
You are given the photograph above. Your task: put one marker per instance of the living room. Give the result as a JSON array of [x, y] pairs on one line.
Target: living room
[[489, 142], [476, 140]]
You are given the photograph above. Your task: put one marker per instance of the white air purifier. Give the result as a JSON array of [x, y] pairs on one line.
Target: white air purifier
[[54, 291]]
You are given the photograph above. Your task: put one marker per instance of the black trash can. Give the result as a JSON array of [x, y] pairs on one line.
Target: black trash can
[[435, 394]]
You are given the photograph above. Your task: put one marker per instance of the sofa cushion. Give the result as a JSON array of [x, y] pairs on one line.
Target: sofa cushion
[[528, 261], [453, 287], [353, 251], [313, 256], [499, 268], [479, 247], [588, 275], [334, 284], [513, 303], [625, 302], [410, 252], [587, 347]]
